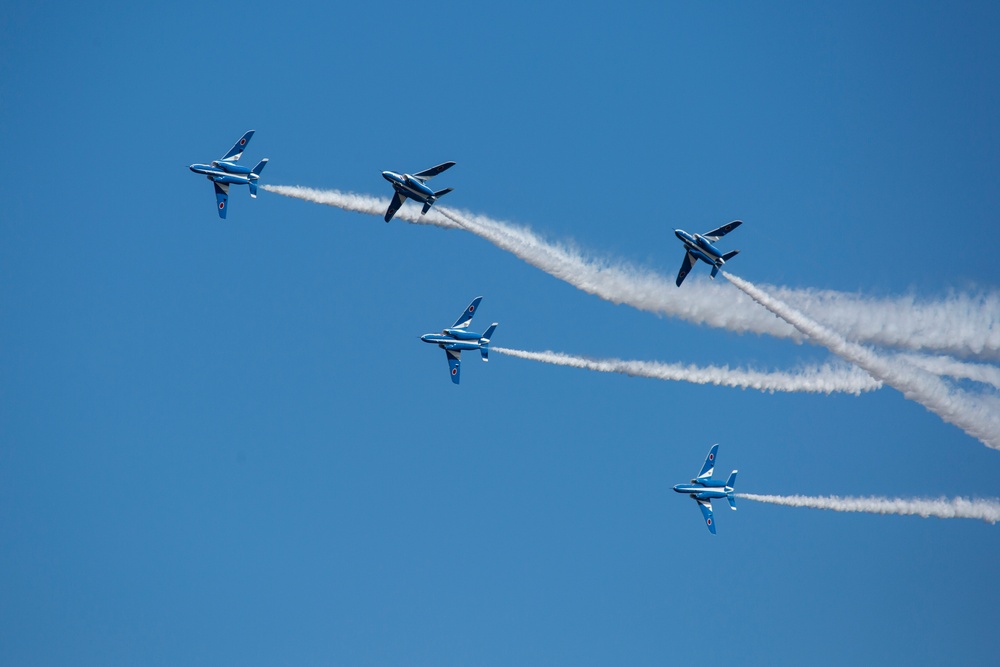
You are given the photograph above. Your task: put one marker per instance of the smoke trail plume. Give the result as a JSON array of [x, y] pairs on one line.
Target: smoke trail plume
[[942, 508], [979, 416], [351, 201], [961, 370], [960, 325], [823, 379], [968, 325]]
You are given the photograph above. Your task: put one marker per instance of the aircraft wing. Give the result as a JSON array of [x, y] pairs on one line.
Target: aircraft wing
[[709, 467], [717, 234], [237, 150], [428, 174], [222, 197], [689, 261], [465, 319], [454, 363], [397, 201], [706, 511]]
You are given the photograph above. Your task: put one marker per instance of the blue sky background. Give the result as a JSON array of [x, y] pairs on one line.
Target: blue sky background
[[221, 442]]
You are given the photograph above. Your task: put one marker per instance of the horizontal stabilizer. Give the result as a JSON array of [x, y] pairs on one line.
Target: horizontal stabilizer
[[715, 271], [253, 189], [442, 193], [427, 207], [260, 167], [729, 255], [732, 479], [732, 501]]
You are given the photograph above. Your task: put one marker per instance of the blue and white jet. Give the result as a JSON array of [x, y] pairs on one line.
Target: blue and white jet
[[225, 172], [458, 337], [700, 246], [414, 186], [704, 488]]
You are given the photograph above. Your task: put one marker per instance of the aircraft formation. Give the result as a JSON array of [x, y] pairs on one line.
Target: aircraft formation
[[457, 338]]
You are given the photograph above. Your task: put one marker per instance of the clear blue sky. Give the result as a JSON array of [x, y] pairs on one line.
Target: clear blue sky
[[222, 442]]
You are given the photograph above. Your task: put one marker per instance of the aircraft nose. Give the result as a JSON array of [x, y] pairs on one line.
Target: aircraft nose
[[385, 175], [425, 337]]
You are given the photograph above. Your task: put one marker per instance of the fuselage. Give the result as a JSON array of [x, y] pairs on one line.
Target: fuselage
[[706, 489], [408, 186], [221, 171], [700, 247], [454, 339]]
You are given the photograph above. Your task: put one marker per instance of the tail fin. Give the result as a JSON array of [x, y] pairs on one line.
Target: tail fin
[[253, 189], [260, 167], [715, 271], [484, 342], [729, 255]]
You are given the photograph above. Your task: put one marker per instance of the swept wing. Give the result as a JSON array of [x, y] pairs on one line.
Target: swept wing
[[718, 233], [397, 201], [686, 265], [454, 364], [428, 174], [237, 150], [706, 511], [221, 197]]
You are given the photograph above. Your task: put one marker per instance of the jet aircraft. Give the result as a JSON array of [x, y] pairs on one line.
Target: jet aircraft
[[414, 186], [700, 246], [225, 172], [704, 488], [458, 337]]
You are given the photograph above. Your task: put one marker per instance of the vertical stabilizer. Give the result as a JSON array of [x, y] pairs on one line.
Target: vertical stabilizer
[[484, 342]]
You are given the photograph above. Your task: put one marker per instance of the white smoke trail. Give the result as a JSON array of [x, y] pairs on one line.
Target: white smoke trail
[[964, 324], [351, 201], [942, 508], [979, 416], [824, 379], [960, 325], [961, 370]]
